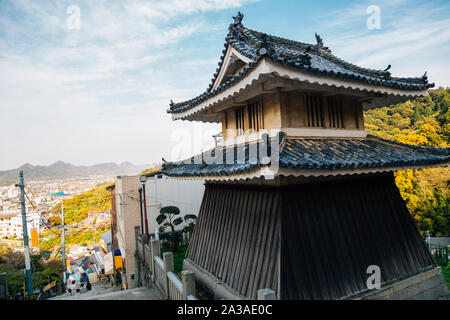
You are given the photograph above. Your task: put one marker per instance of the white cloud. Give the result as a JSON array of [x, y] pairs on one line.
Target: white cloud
[[170, 8], [100, 93], [67, 91], [412, 38]]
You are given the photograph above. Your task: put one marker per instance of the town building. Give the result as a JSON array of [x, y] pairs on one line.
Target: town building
[[299, 199], [125, 218], [113, 217], [12, 226]]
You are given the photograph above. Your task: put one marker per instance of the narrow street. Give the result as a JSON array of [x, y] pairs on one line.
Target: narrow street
[[100, 292], [133, 294]]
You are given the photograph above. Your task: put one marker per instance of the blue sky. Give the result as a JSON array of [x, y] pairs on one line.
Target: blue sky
[[99, 93]]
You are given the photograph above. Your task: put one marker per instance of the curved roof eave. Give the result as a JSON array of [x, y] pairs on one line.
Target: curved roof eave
[[266, 66]]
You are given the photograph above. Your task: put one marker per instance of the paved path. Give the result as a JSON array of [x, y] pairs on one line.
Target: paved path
[[132, 294], [114, 293]]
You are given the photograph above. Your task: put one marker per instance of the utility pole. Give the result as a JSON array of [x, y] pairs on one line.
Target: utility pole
[[63, 236], [26, 247]]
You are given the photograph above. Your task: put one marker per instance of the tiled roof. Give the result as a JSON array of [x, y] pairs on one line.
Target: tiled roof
[[318, 154], [316, 59]]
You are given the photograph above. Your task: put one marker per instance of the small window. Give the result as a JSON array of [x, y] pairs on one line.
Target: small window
[[335, 113], [314, 112], [239, 115], [255, 116]]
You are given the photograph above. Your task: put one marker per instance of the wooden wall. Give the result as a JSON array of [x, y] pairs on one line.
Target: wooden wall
[[331, 232], [288, 110], [308, 241], [237, 237]]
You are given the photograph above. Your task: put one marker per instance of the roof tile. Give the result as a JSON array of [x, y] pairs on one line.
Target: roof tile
[[308, 57], [321, 154]]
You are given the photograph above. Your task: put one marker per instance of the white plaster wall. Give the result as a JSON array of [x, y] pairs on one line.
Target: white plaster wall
[[185, 194]]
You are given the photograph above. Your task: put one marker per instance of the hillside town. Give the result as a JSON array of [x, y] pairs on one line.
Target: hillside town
[[42, 195], [328, 181], [41, 192]]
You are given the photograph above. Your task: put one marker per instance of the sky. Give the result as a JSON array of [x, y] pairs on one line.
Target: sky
[[89, 81]]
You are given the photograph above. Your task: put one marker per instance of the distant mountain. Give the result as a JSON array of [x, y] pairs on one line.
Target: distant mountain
[[62, 169]]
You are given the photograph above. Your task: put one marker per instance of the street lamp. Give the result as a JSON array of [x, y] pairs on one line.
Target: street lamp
[[143, 179]]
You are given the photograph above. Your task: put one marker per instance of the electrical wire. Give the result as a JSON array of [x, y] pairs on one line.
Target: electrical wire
[[153, 198], [42, 220]]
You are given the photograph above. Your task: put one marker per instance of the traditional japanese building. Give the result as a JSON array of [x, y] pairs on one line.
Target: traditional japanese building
[[299, 198]]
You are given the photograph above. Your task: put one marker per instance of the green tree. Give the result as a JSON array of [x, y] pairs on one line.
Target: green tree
[[190, 220], [168, 217], [424, 121], [54, 221]]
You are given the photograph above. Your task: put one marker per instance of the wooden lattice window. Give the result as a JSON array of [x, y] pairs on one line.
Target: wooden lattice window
[[314, 111], [255, 116], [239, 116], [335, 119]]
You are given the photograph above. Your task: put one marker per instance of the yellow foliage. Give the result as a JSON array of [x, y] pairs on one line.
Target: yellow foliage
[[427, 129], [150, 170], [414, 139], [424, 121]]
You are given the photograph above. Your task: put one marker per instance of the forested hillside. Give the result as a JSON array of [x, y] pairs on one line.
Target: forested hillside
[[424, 122], [44, 271], [77, 208], [75, 211]]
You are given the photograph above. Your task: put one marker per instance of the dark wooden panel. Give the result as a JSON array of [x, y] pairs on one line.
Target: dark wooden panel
[[325, 233], [331, 233], [237, 236]]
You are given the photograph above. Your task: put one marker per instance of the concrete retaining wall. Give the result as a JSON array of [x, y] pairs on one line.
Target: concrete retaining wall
[[429, 285], [214, 286]]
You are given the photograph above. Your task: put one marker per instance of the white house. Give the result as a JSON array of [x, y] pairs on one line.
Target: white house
[[10, 227], [162, 191]]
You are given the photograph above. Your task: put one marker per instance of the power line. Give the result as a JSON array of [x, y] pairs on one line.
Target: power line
[[34, 207]]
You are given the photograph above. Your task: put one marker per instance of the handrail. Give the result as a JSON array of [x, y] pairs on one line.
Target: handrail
[[174, 279], [174, 287], [171, 285], [160, 262]]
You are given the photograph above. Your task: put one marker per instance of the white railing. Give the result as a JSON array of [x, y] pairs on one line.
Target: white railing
[[162, 272], [175, 287], [160, 275], [148, 257]]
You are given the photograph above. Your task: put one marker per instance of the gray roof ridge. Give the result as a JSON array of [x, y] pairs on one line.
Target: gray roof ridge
[[434, 150], [326, 53]]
